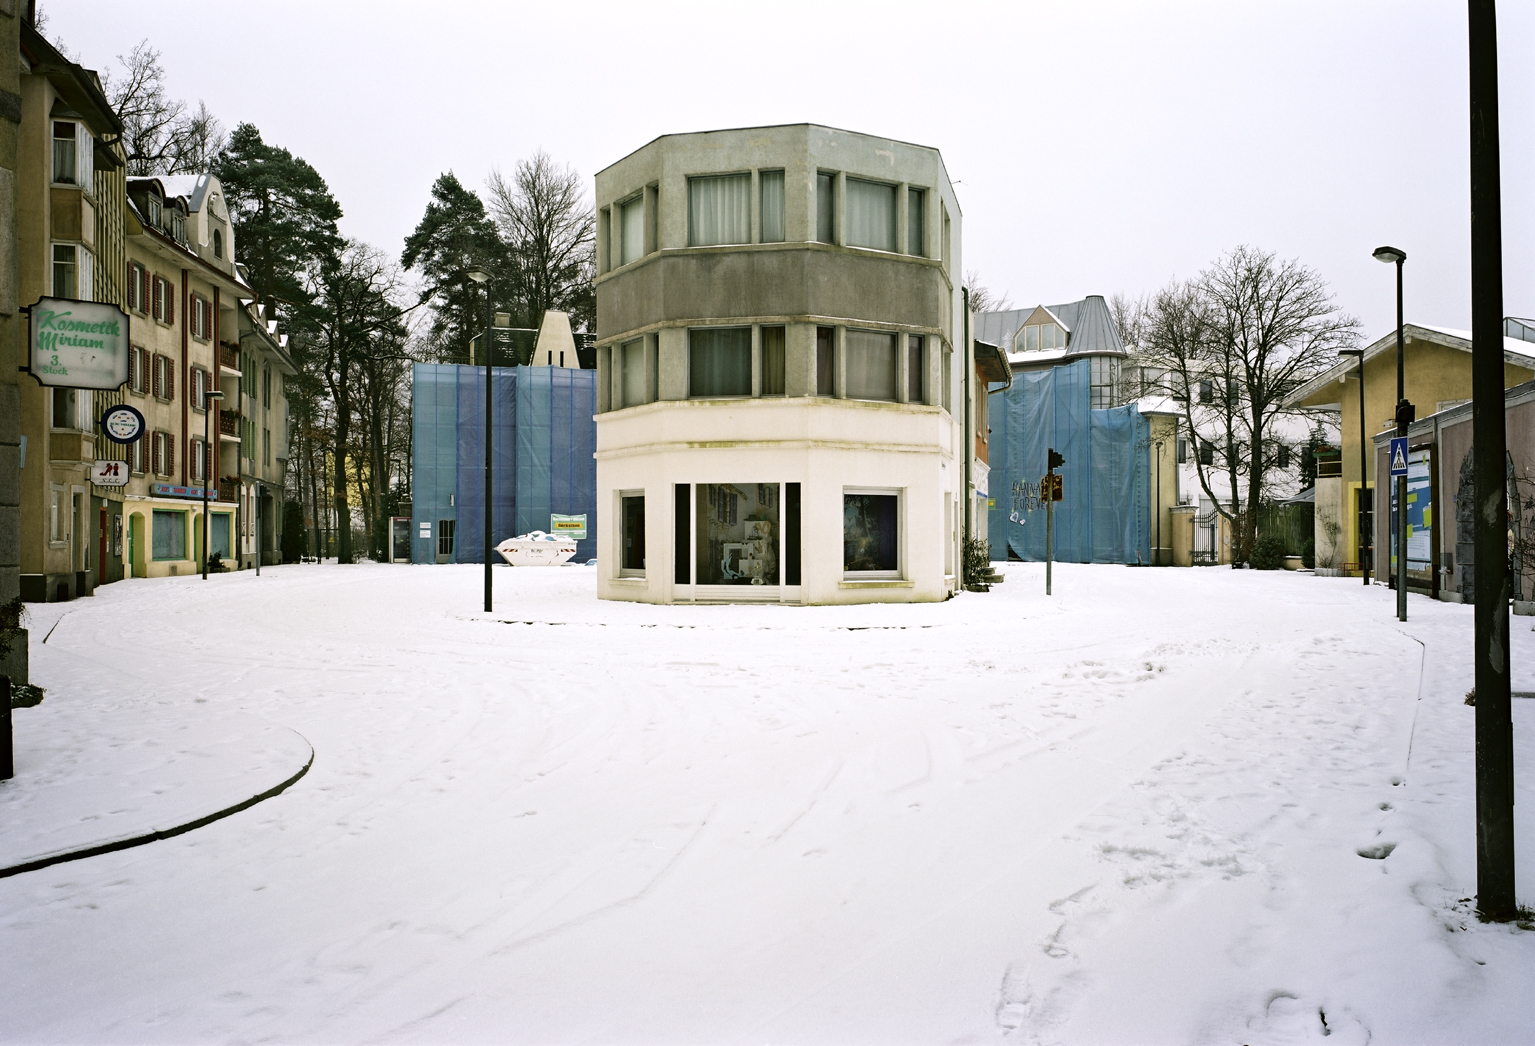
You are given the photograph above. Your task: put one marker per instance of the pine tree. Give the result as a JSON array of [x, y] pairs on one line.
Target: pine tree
[[456, 235]]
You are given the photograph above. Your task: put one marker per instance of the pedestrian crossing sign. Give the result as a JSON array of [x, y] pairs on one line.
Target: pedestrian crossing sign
[[1399, 456]]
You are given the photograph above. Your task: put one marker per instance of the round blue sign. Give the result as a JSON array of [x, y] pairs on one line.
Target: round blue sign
[[122, 424]]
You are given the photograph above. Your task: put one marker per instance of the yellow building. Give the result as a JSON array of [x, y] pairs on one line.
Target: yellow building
[[1437, 377]]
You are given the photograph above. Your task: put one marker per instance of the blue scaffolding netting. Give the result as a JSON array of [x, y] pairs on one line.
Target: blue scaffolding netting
[[1103, 516], [543, 437]]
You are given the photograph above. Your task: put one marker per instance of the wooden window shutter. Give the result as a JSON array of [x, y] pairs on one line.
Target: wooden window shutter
[[170, 304]]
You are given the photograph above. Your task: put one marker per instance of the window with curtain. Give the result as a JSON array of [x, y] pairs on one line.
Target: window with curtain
[[825, 361], [169, 540], [772, 206], [914, 218], [720, 362], [720, 209], [632, 230], [914, 373], [870, 215], [871, 365], [632, 372], [64, 152], [220, 546], [64, 271], [774, 340], [825, 207]]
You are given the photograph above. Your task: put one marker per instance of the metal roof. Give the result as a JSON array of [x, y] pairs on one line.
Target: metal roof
[[1089, 328]]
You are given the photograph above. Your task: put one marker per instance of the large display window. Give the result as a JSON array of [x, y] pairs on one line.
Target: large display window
[[871, 533], [737, 534]]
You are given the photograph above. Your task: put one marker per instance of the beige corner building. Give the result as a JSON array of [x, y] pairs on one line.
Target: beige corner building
[[782, 370]]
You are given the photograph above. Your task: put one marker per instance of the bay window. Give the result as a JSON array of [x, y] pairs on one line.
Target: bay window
[[871, 218], [771, 379], [632, 230], [915, 386], [720, 362], [719, 209], [871, 365], [825, 207], [772, 206], [632, 372], [915, 210]]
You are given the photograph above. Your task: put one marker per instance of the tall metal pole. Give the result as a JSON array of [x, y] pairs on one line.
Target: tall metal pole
[[207, 413], [1401, 481], [1364, 483], [1157, 561], [1049, 532], [1489, 443], [489, 318]]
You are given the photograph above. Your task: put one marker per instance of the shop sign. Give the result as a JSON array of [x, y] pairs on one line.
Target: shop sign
[[110, 473], [79, 344], [171, 490], [568, 526], [122, 424]]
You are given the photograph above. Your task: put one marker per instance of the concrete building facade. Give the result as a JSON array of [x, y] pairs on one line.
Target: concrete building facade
[[782, 370]]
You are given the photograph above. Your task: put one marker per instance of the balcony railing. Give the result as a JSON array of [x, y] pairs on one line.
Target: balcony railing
[[229, 489], [229, 358], [229, 423]]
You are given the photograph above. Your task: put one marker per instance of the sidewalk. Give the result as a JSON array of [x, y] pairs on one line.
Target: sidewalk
[[90, 781]]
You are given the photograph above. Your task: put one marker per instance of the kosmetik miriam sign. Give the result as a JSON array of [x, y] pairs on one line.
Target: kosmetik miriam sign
[[79, 344]]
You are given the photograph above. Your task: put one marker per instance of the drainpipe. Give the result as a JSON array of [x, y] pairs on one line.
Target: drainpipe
[[968, 364]]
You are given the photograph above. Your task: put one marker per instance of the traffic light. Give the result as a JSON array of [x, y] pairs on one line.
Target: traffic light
[[1055, 460], [1406, 414]]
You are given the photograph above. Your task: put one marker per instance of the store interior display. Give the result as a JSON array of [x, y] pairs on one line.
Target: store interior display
[[737, 534]]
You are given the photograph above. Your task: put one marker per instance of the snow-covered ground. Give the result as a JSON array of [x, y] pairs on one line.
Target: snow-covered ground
[[1132, 812]]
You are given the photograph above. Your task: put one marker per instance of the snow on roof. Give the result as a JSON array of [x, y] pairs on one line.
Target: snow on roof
[[1519, 353], [193, 186]]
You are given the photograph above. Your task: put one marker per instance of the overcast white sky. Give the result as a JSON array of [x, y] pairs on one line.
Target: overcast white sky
[[1098, 147]]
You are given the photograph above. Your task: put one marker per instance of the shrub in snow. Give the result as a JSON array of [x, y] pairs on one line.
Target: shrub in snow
[[1268, 554]]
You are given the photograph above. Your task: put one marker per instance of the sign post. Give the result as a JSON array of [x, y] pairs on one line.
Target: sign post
[[1399, 480]]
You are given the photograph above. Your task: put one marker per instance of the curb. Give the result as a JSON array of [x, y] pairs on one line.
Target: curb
[[159, 833]]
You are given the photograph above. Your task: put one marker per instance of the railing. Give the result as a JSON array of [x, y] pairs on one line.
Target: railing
[[229, 358], [229, 423], [229, 489]]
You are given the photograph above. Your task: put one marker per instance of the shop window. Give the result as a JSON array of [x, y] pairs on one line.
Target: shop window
[[737, 534], [720, 362], [719, 210], [774, 340], [871, 533], [791, 534], [681, 533], [220, 546], [169, 538], [871, 365], [825, 361], [631, 561], [771, 183]]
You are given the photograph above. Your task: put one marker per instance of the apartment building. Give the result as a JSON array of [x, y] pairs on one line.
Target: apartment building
[[780, 410]]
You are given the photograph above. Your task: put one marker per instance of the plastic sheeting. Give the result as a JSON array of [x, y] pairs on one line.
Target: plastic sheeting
[[1104, 515], [543, 437]]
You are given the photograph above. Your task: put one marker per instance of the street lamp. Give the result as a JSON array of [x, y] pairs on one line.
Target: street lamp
[[481, 276], [1364, 475], [209, 398], [1404, 418]]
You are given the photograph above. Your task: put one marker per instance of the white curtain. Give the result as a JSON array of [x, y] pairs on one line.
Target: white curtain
[[870, 215], [719, 210], [634, 372], [772, 206], [85, 157], [871, 368], [632, 218]]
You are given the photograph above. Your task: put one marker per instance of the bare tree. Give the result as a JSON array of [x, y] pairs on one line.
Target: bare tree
[[160, 135], [545, 219], [1230, 348], [983, 298]]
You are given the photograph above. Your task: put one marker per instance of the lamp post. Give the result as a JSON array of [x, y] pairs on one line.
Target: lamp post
[[1404, 418], [209, 398], [481, 276], [1364, 474], [1157, 560]]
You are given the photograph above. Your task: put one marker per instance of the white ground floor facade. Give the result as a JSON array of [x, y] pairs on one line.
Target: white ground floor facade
[[801, 519]]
